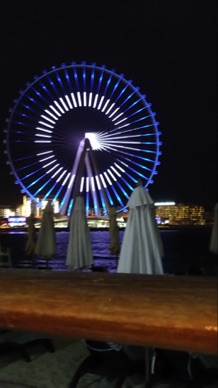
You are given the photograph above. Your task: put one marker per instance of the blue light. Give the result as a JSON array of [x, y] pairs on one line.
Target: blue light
[[114, 89], [117, 196], [58, 192], [76, 78], [87, 203], [49, 98], [100, 80], [109, 197], [42, 187], [127, 183], [37, 180], [102, 201], [122, 190], [70, 207], [92, 79], [107, 84], [122, 91], [84, 79]]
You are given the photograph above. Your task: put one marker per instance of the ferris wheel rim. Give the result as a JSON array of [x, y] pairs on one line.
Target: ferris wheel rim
[[83, 65]]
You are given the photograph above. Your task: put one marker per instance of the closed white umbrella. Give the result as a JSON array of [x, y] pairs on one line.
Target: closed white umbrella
[[46, 243], [141, 248], [79, 250], [114, 232], [214, 233], [31, 236]]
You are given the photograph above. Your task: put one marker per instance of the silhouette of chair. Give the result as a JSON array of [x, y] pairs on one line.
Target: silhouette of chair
[[22, 341], [5, 257], [114, 365]]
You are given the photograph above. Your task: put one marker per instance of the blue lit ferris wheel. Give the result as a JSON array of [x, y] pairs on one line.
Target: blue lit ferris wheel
[[82, 129]]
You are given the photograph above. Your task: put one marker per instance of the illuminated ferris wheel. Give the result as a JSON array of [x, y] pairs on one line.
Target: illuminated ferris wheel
[[82, 129]]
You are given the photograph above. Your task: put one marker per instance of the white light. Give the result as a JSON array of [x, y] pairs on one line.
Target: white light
[[95, 101], [79, 98], [55, 110], [59, 178], [47, 125], [42, 141], [105, 105], [87, 184], [84, 99], [74, 100], [46, 165], [49, 113], [123, 126], [44, 130], [103, 181], [94, 140], [47, 172], [46, 118], [59, 107], [116, 172], [111, 175], [113, 113], [63, 103], [71, 182], [43, 153], [120, 168], [90, 99], [98, 182], [125, 164], [65, 180], [108, 179], [81, 184], [40, 135], [164, 203], [92, 183], [61, 168], [69, 102], [115, 118], [121, 121], [100, 103], [49, 157], [110, 108]]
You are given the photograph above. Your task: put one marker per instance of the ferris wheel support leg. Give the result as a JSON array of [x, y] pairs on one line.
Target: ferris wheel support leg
[[93, 188], [76, 172], [101, 185]]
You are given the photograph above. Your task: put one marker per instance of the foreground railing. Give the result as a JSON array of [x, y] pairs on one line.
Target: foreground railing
[[172, 312]]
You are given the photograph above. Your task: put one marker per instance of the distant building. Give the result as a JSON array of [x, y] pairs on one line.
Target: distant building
[[179, 214], [167, 213], [6, 212], [29, 207]]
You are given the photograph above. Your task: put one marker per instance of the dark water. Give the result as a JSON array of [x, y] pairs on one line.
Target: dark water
[[183, 248]]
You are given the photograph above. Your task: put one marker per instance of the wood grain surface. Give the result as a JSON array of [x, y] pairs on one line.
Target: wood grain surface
[[172, 312]]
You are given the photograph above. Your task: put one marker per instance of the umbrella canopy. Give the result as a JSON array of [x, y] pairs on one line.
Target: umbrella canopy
[[214, 234], [79, 250], [141, 249], [31, 235], [114, 232], [46, 243]]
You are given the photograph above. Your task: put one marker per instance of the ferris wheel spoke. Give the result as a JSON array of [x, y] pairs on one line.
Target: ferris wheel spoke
[[42, 186], [137, 156], [129, 186]]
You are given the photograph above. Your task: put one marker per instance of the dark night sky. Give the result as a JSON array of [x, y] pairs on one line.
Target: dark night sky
[[168, 48]]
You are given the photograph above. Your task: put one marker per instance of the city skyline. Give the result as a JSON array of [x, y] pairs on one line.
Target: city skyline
[[168, 51]]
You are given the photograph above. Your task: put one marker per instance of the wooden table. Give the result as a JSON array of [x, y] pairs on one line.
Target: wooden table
[[173, 312]]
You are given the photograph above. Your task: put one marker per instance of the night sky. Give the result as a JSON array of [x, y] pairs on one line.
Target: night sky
[[168, 48]]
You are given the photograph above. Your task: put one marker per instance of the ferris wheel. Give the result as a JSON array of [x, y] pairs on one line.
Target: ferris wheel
[[82, 129]]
